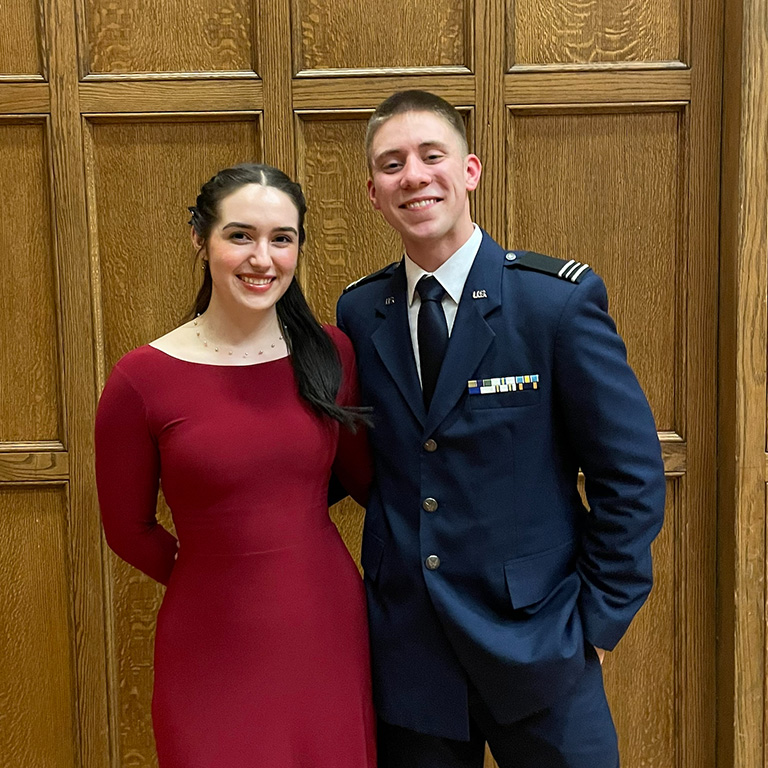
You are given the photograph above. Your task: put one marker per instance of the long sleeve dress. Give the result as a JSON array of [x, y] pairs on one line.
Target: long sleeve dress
[[261, 651]]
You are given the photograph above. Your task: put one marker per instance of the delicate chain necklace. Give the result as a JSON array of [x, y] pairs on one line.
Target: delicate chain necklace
[[215, 348]]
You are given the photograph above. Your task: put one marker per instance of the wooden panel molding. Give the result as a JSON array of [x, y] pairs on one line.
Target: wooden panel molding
[[674, 452], [24, 98], [38, 467], [278, 139], [563, 32], [22, 38], [37, 676], [86, 608], [349, 35], [30, 375], [121, 36], [610, 187], [368, 92], [598, 87], [200, 96]]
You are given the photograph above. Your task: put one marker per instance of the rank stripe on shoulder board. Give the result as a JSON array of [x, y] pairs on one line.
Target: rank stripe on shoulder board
[[573, 271]]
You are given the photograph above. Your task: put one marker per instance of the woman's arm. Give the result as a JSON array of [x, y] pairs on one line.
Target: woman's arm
[[127, 477]]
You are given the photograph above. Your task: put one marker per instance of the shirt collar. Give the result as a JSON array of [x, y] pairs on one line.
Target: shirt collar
[[452, 273]]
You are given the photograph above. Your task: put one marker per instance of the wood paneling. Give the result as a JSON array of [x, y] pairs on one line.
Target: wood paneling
[[21, 39], [37, 687], [588, 32], [669, 85], [30, 405], [124, 36], [24, 98], [142, 176], [599, 142], [348, 34], [84, 530], [609, 186], [743, 494], [136, 600], [34, 467], [184, 96], [346, 238], [641, 675], [367, 92]]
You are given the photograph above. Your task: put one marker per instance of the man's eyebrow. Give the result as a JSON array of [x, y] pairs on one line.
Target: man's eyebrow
[[435, 143]]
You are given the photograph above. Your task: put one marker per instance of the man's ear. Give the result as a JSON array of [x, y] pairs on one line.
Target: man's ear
[[474, 169], [372, 195]]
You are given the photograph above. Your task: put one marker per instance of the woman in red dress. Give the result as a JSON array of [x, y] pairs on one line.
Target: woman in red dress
[[242, 414]]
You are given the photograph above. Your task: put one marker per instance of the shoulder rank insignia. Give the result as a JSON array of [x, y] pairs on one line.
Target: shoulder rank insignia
[[379, 273], [570, 270]]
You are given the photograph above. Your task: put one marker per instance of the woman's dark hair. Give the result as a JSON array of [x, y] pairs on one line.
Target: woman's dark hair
[[314, 357]]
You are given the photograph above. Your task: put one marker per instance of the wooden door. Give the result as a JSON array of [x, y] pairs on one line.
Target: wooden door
[[598, 126]]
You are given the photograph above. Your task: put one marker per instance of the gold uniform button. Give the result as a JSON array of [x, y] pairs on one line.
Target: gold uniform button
[[430, 446], [429, 504], [432, 562]]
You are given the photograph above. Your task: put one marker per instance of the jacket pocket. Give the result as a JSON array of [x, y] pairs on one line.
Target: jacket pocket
[[370, 556], [532, 577], [504, 399]]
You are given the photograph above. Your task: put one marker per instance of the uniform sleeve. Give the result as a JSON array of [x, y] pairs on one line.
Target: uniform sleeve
[[611, 428], [127, 478], [352, 467]]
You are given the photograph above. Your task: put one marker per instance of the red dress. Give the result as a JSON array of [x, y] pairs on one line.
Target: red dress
[[261, 651]]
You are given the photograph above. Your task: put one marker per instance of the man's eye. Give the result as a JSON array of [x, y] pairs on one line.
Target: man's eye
[[391, 166], [433, 157]]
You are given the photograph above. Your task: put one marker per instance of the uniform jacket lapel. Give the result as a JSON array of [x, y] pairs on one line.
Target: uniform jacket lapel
[[392, 340], [471, 335]]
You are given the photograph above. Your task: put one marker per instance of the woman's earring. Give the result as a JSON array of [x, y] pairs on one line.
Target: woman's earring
[[203, 262]]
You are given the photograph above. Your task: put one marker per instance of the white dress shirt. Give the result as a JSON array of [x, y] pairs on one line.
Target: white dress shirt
[[452, 275]]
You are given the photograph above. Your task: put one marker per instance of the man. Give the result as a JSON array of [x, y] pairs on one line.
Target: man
[[494, 377]]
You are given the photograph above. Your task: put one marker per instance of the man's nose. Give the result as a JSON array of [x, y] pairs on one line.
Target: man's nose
[[415, 173]]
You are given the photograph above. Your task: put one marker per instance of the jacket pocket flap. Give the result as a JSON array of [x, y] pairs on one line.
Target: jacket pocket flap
[[532, 577], [370, 556]]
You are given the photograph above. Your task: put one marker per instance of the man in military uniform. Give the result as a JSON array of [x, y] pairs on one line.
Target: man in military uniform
[[494, 377]]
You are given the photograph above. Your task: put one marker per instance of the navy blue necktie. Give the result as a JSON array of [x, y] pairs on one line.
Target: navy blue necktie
[[432, 333]]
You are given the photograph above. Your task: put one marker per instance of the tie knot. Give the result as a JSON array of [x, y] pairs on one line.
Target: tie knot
[[429, 289]]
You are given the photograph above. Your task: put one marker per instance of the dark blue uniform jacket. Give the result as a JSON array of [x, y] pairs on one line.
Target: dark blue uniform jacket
[[527, 575]]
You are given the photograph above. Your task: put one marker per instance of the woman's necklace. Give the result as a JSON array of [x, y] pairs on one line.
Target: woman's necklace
[[215, 347]]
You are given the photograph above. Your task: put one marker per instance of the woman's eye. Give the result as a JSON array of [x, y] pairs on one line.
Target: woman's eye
[[239, 236], [284, 239]]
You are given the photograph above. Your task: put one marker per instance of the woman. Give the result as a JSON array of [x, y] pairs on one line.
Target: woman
[[261, 652]]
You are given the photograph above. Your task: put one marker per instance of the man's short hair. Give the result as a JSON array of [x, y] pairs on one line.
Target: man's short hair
[[414, 101]]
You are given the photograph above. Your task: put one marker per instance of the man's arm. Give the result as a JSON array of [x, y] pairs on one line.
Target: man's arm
[[612, 431]]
